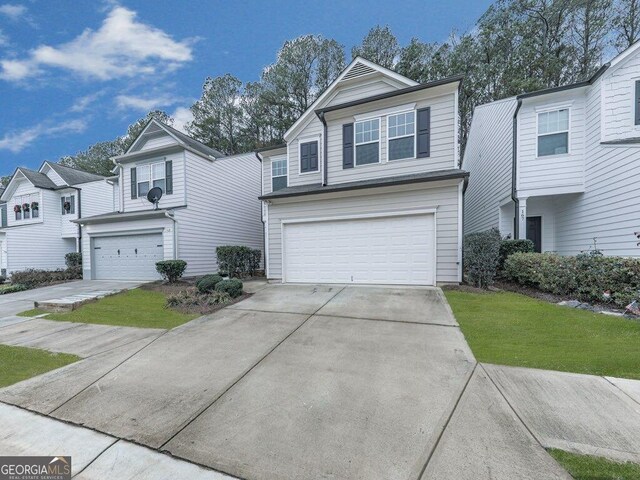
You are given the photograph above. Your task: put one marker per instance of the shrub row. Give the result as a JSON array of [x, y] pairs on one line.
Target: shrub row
[[585, 277], [73, 259], [32, 278], [238, 261], [191, 297]]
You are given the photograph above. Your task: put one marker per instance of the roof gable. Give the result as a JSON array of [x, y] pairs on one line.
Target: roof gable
[[358, 70], [37, 179], [625, 55], [70, 175]]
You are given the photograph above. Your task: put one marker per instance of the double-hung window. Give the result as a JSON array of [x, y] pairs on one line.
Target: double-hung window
[[149, 176], [68, 205], [553, 132], [401, 135], [367, 141], [27, 206], [278, 174]]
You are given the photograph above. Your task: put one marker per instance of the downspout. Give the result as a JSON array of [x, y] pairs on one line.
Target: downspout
[[79, 245], [514, 166], [325, 144], [175, 234], [264, 226]]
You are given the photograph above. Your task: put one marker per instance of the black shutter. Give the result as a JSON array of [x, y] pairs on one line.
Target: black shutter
[[347, 145], [637, 102], [64, 212], [313, 156], [304, 157], [134, 184], [168, 168], [72, 201], [424, 132]]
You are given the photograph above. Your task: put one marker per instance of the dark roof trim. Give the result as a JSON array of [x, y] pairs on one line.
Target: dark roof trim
[[622, 141], [382, 96], [570, 86], [124, 216], [318, 189], [272, 147]]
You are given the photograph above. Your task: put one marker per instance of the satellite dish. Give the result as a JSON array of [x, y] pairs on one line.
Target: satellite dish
[[154, 196]]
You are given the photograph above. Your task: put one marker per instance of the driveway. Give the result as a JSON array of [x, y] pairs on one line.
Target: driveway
[[14, 303], [303, 382]]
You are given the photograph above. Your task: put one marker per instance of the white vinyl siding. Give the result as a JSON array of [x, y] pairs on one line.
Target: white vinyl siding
[[161, 140], [313, 132], [617, 102], [363, 90], [226, 189], [443, 195], [488, 158]]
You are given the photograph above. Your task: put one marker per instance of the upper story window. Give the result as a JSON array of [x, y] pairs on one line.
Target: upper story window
[[401, 135], [27, 206], [149, 176], [367, 141], [278, 174], [553, 132], [68, 204], [309, 157]]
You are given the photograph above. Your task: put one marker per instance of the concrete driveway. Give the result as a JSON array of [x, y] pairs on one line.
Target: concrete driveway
[[305, 382], [14, 303]]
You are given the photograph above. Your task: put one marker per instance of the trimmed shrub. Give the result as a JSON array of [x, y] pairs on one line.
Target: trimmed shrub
[[237, 260], [481, 257], [584, 277], [191, 297], [73, 259], [32, 278], [233, 287], [208, 283], [171, 270], [15, 287], [509, 247]]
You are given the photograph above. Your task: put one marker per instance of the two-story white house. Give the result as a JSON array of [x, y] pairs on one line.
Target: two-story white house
[[367, 188], [208, 200], [560, 166], [40, 206]]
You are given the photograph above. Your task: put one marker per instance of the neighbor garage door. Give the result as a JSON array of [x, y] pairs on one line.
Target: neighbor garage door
[[383, 250], [127, 257]]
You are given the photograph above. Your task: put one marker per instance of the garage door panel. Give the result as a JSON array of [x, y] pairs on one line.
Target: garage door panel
[[127, 257], [396, 250]]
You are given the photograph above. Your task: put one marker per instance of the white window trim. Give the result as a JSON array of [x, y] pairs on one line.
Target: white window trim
[[355, 144], [384, 112], [554, 108], [149, 165], [31, 197], [317, 139], [73, 204], [279, 159], [414, 134]]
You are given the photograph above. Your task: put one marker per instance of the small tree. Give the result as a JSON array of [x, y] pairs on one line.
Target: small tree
[[481, 257], [171, 270]]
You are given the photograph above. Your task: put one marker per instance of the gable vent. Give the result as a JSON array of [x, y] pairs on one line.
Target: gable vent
[[358, 70]]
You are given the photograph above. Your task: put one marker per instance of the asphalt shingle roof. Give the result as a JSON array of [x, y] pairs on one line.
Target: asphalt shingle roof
[[38, 179], [193, 143], [73, 176]]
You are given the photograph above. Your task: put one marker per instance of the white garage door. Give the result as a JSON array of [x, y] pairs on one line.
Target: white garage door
[[127, 257], [382, 250]]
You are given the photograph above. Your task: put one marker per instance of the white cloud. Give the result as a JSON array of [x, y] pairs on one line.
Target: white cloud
[[14, 12], [121, 47], [82, 103], [4, 40], [144, 104], [18, 140], [181, 117]]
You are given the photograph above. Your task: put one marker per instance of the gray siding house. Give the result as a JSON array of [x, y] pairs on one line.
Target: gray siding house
[[568, 179], [367, 188], [209, 200]]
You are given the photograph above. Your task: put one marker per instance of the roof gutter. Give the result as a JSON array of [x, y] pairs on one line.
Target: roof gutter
[[79, 190], [514, 166], [264, 224], [325, 144]]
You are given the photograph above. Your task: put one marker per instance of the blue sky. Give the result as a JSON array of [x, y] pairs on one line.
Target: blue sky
[[76, 73]]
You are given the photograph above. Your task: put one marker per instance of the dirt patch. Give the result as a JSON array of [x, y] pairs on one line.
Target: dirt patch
[[182, 285], [466, 288], [530, 292], [168, 288]]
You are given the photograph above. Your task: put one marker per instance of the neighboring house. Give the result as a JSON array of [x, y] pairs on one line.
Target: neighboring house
[[367, 188], [571, 175], [39, 210], [208, 200]]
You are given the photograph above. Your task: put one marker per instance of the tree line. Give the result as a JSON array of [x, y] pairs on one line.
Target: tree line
[[516, 46]]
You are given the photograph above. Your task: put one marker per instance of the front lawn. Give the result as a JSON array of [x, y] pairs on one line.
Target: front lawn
[[20, 363], [133, 308], [584, 467], [512, 329]]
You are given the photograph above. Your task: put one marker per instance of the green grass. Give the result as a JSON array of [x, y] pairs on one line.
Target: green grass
[[133, 308], [34, 312], [511, 329], [585, 467], [20, 363]]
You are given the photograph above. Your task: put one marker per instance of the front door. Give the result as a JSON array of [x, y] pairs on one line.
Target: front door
[[534, 232]]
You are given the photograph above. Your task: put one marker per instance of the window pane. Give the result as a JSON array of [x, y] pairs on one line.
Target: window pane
[[375, 132], [142, 173], [160, 183], [278, 168], [367, 154], [555, 144], [368, 131], [404, 125], [143, 188], [401, 148], [563, 120], [278, 183], [158, 170]]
